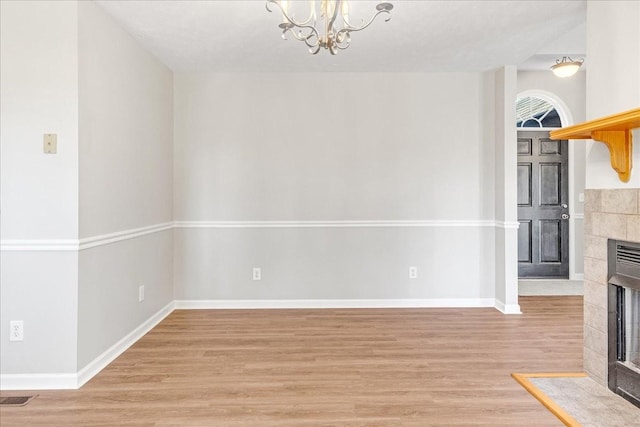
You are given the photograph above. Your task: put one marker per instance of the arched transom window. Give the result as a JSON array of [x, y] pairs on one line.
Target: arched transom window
[[532, 112]]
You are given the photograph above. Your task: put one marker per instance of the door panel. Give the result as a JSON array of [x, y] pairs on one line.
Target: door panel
[[524, 242], [524, 185], [550, 245], [543, 237], [550, 184]]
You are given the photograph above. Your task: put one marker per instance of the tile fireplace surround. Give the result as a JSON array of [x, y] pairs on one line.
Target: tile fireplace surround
[[609, 214]]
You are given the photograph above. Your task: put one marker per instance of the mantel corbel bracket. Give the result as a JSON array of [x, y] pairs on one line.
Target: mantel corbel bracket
[[613, 131], [620, 147]]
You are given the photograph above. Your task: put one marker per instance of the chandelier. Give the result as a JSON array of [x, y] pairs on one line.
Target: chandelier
[[336, 24]]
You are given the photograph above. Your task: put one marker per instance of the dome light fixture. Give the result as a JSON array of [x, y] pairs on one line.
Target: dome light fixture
[[566, 67]]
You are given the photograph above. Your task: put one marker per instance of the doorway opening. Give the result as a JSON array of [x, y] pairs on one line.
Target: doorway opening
[[543, 190]]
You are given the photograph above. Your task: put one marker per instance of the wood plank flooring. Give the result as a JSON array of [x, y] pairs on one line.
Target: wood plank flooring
[[364, 367]]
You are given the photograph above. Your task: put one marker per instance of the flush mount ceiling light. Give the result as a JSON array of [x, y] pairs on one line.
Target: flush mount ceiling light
[[566, 67], [335, 23]]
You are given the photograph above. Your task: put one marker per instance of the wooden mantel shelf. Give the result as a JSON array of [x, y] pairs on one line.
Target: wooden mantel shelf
[[613, 131]]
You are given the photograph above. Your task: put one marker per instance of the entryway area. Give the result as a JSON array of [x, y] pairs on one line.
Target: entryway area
[[547, 255]]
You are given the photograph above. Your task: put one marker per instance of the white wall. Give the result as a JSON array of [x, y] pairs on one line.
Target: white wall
[[84, 228], [126, 174], [39, 192], [613, 85], [39, 95], [373, 147]]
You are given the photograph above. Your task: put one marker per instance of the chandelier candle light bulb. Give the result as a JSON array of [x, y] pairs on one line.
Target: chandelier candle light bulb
[[336, 36]]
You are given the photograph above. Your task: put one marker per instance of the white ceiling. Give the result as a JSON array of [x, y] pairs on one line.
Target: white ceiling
[[422, 36]]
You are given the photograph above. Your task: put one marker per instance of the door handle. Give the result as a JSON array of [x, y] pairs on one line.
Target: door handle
[[564, 206], [564, 216]]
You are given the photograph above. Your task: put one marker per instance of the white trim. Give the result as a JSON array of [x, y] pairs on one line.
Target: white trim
[[38, 381], [105, 239], [334, 224], [507, 309], [508, 224], [334, 303], [578, 216], [70, 245], [77, 380], [101, 362], [82, 244], [39, 245]]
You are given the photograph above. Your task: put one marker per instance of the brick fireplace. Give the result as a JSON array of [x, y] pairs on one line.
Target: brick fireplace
[[609, 214]]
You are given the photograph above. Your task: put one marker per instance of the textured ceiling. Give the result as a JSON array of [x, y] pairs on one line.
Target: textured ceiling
[[422, 36]]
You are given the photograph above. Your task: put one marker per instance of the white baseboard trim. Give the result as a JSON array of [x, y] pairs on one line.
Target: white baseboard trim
[[507, 308], [332, 303], [101, 362], [38, 381], [77, 380]]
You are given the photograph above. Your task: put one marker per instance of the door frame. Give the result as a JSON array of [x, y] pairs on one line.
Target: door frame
[[566, 118]]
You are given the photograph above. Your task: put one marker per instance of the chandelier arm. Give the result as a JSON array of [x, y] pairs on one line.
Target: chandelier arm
[[290, 19], [346, 42], [300, 36], [363, 26], [312, 39]]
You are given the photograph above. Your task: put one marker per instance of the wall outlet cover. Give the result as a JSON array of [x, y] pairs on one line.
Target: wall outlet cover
[[16, 330]]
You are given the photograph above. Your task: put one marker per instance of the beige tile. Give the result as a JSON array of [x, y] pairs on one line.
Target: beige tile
[[595, 270], [595, 365], [595, 340], [588, 224], [596, 317], [633, 228], [595, 293], [592, 201], [613, 226], [595, 247], [621, 201]]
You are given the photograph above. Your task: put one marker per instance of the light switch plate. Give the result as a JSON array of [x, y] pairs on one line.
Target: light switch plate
[[50, 143]]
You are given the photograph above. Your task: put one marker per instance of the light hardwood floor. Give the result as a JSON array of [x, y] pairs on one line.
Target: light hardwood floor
[[365, 367]]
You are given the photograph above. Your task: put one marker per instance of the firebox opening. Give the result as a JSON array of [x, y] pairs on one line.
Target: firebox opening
[[624, 319]]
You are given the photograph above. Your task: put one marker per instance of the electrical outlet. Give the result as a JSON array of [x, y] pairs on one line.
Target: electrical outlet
[[413, 272], [16, 328], [257, 273], [141, 293]]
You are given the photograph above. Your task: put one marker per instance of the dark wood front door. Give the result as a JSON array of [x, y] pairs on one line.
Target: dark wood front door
[[543, 236]]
